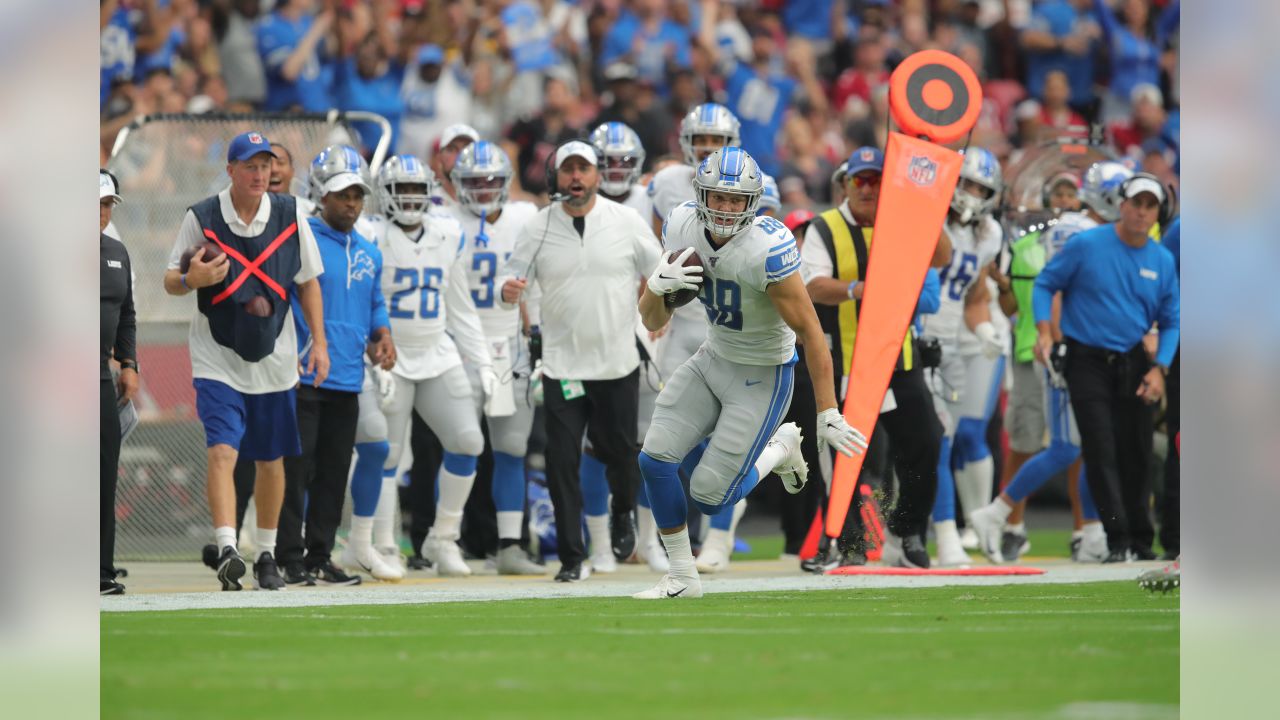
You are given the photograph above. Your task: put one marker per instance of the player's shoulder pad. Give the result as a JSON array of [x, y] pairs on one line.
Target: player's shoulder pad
[[778, 245], [521, 209]]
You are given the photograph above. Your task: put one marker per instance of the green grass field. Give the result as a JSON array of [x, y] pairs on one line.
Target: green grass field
[[1081, 651]]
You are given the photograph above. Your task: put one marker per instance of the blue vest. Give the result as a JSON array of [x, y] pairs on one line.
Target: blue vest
[[251, 337]]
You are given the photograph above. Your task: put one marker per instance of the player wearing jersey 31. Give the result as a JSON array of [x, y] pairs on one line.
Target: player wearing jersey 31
[[737, 386]]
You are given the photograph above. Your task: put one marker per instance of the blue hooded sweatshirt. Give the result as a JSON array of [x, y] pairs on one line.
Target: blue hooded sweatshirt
[[351, 288]]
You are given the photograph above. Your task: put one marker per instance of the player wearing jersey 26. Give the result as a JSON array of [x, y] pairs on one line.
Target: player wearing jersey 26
[[482, 176], [737, 386]]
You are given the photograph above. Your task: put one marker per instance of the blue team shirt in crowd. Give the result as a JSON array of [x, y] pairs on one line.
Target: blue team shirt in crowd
[[529, 37], [759, 103], [277, 38], [1134, 60], [808, 18], [651, 60], [381, 94], [116, 51], [1112, 293], [1059, 18]]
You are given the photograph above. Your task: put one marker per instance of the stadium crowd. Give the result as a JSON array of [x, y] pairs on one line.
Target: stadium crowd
[[484, 99]]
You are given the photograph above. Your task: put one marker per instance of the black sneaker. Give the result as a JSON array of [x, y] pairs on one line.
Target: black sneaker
[[209, 556], [331, 574], [572, 573], [1118, 556], [266, 576], [295, 573], [819, 564], [622, 534], [1143, 553], [914, 553], [230, 567], [1012, 545], [417, 562], [110, 587]]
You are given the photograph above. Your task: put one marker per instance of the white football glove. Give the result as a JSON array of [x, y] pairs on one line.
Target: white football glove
[[669, 277], [386, 386], [833, 430], [993, 341], [488, 380]]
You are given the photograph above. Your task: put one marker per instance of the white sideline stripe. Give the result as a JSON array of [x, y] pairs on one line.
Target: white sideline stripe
[[412, 595]]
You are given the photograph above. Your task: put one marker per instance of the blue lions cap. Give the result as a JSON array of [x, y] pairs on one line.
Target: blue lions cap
[[246, 145], [863, 159], [430, 55]]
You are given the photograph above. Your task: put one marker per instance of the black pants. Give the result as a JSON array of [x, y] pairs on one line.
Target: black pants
[[315, 482], [420, 496], [109, 457], [607, 412], [1170, 510], [1115, 438], [798, 510], [915, 437]]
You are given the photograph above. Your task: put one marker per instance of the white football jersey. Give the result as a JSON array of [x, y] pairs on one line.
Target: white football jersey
[[973, 247], [1068, 225], [744, 325], [428, 300], [670, 188], [638, 200], [488, 246]]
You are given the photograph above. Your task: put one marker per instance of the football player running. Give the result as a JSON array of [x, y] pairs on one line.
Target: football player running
[[482, 178], [737, 386]]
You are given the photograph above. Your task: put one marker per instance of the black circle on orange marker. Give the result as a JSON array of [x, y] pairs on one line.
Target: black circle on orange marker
[[916, 95]]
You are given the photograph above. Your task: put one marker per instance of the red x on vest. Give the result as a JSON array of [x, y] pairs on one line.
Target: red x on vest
[[252, 268]]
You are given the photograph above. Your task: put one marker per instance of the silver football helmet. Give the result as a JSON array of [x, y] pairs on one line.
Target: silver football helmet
[[331, 161], [621, 157], [1101, 188], [482, 176], [979, 166], [732, 171], [770, 199], [404, 189], [707, 119]]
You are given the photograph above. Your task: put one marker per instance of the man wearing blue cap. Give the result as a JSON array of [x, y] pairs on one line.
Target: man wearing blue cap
[[244, 348], [834, 262]]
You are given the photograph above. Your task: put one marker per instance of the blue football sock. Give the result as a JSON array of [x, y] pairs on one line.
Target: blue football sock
[[1087, 508], [595, 487], [508, 482], [366, 479], [666, 494], [944, 502]]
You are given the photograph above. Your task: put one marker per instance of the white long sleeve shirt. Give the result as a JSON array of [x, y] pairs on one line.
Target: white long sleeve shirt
[[589, 287]]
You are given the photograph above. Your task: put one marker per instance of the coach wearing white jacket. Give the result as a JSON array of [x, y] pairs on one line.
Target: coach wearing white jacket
[[587, 255]]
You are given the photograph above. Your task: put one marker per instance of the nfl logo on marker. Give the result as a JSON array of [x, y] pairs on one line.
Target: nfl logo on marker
[[922, 170]]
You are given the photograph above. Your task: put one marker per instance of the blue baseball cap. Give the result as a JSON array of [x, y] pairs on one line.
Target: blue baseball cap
[[246, 145], [863, 159], [430, 55]]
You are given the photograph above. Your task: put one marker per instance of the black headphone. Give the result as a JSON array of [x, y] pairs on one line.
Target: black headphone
[[1168, 204], [553, 175]]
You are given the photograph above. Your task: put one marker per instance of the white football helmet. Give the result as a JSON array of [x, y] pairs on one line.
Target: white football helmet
[[1100, 190], [399, 180], [770, 198], [981, 167], [620, 156], [331, 161], [482, 177], [707, 119], [728, 170]]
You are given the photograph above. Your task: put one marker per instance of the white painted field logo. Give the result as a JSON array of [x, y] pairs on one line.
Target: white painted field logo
[[922, 171]]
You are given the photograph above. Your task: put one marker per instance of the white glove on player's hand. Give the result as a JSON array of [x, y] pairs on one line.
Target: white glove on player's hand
[[386, 386], [488, 380], [671, 276], [833, 430], [993, 341]]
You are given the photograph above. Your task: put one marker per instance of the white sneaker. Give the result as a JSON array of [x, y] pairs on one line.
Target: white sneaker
[[988, 526], [671, 587], [513, 561], [369, 560], [446, 556], [653, 553], [391, 556], [793, 470], [969, 539], [602, 560], [1093, 544], [716, 549], [950, 553]]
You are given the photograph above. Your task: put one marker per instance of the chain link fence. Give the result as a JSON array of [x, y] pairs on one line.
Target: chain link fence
[[166, 163]]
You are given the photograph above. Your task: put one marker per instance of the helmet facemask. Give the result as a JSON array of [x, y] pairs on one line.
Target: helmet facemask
[[406, 203], [618, 173], [970, 207], [724, 223], [483, 194]]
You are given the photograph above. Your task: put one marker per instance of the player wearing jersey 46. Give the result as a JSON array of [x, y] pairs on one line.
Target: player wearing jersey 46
[[737, 386]]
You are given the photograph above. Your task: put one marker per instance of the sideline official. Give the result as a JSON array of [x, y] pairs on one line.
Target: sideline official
[[587, 255]]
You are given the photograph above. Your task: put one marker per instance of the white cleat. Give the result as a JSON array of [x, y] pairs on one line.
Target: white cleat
[[512, 560], [391, 556], [716, 549], [653, 554], [603, 561], [672, 587], [371, 561], [793, 470], [1093, 544], [950, 553], [446, 556], [988, 525], [969, 539]]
